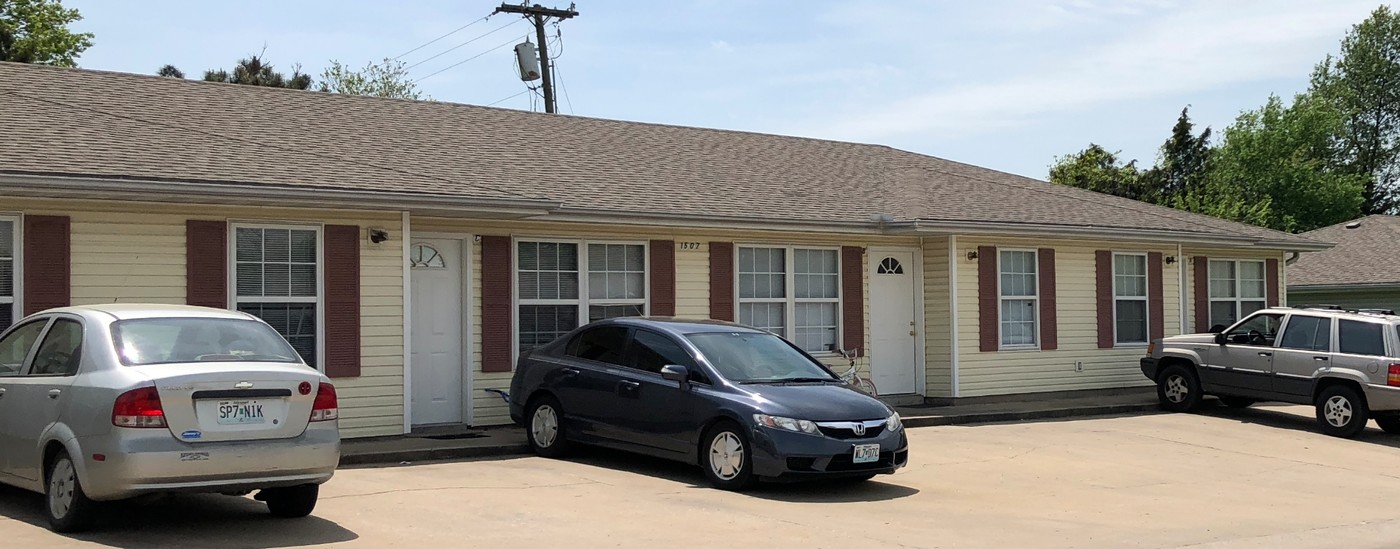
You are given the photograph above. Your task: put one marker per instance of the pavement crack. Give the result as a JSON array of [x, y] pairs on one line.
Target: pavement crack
[[447, 488]]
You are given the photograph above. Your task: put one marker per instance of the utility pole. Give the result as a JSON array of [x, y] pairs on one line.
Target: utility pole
[[538, 14]]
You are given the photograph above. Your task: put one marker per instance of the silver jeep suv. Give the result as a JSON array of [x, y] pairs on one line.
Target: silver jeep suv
[[1346, 363]]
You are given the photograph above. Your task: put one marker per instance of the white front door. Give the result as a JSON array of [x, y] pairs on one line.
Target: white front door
[[894, 329], [439, 371]]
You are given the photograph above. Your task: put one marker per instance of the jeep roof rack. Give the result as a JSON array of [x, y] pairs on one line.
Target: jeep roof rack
[[1364, 311]]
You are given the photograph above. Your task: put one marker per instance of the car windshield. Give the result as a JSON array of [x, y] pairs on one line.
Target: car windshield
[[757, 358], [176, 340]]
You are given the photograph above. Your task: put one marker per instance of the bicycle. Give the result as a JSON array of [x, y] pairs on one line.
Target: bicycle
[[852, 375]]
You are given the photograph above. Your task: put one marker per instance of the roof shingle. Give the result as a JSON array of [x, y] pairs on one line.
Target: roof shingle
[[1366, 254]]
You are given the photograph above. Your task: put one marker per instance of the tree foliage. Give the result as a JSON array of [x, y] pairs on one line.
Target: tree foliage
[[1183, 163], [385, 79], [1097, 169], [254, 71], [36, 31], [170, 71]]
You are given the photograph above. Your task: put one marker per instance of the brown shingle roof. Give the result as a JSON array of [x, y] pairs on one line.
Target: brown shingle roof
[[114, 125], [1366, 254]]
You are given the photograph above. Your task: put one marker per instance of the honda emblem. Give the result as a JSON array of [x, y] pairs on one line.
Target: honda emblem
[[858, 429]]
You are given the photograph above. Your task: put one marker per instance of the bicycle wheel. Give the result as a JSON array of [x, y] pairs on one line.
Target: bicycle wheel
[[867, 386]]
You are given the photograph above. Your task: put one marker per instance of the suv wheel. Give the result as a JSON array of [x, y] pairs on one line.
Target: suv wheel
[[1178, 389], [1341, 411], [1389, 424]]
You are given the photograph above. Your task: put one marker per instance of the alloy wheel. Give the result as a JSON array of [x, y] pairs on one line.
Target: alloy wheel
[[544, 426], [726, 455], [1338, 411], [1176, 389]]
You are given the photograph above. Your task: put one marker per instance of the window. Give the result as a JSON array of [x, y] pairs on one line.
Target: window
[[141, 342], [756, 357], [791, 292], [423, 256], [1308, 333], [277, 278], [652, 351], [14, 349], [1258, 330], [1019, 288], [890, 265], [9, 275], [549, 282], [1236, 289], [1360, 338], [602, 344], [61, 351], [1130, 298]]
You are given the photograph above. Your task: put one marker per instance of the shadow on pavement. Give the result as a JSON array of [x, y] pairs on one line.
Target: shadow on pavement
[[816, 491], [1262, 414], [194, 520]]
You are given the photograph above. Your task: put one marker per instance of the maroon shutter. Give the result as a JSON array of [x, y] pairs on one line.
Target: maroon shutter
[[1049, 324], [853, 299], [1103, 293], [988, 297], [206, 263], [47, 263], [1271, 282], [1157, 321], [1201, 284], [663, 277], [496, 313], [722, 280], [342, 298]]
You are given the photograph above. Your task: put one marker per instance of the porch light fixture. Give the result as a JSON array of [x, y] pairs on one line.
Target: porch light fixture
[[378, 235], [1170, 259], [972, 255]]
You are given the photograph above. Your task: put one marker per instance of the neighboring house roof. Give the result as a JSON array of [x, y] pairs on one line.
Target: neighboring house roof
[[1367, 253], [102, 125]]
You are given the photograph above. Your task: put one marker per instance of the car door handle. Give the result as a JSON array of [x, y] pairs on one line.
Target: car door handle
[[53, 393], [2, 391], [1266, 354], [1321, 358], [570, 371], [629, 385]]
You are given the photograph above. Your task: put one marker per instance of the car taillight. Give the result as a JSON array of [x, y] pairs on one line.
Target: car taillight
[[326, 407], [139, 408], [1393, 376]]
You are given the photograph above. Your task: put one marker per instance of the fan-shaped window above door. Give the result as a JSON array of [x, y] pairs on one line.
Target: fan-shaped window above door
[[423, 256], [890, 265]]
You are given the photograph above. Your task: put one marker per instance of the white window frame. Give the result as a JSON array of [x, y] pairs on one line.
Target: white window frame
[[16, 301], [583, 301], [231, 258], [789, 299], [1035, 299], [1238, 299], [1147, 304]]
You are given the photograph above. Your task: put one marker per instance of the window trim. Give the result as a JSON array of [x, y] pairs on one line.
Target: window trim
[[790, 300], [16, 301], [231, 266], [582, 302], [1238, 299], [1035, 313], [1145, 299]]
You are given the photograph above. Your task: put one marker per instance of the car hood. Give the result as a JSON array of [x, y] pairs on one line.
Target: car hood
[[816, 402], [1189, 339]]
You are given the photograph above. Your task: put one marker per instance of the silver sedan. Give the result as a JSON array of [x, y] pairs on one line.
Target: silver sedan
[[109, 402]]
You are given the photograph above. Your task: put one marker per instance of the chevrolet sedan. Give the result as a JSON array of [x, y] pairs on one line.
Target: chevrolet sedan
[[742, 403], [110, 402]]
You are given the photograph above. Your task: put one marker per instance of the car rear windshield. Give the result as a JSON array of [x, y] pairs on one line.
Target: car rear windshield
[[176, 340], [750, 357]]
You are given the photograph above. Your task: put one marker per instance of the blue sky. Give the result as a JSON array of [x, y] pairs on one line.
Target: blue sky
[[1007, 84]]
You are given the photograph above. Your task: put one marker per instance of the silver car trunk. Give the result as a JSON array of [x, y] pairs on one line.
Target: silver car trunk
[[229, 401]]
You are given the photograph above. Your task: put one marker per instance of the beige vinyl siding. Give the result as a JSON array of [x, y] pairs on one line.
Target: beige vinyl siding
[[1225, 254], [938, 316], [128, 252], [1027, 371], [692, 278]]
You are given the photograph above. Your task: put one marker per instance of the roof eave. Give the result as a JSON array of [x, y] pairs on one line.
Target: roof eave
[[1392, 285]]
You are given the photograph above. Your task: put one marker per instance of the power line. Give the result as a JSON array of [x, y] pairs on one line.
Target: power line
[[431, 42], [567, 101], [445, 52], [494, 103], [454, 65]]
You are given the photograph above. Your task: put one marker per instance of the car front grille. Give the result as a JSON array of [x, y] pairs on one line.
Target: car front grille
[[846, 430], [842, 462]]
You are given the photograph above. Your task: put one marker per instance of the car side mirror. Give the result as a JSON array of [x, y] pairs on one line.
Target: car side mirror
[[676, 373], [1220, 338]]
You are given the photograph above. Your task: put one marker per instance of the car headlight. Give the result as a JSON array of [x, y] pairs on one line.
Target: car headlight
[[893, 422], [787, 424]]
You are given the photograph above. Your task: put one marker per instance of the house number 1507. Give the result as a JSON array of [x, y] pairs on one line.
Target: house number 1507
[[690, 246]]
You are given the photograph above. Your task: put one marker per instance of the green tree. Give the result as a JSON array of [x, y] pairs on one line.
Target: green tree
[[253, 71], [1183, 163], [1364, 83], [170, 71], [1287, 157], [1099, 170], [36, 31], [386, 79]]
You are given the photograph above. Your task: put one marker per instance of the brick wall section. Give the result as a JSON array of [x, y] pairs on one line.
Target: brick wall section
[[1157, 321], [722, 280], [988, 299], [496, 313], [342, 298], [206, 263], [853, 299], [47, 263], [1103, 296], [1049, 317], [663, 277]]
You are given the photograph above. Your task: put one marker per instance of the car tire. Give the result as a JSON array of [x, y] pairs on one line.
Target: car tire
[[727, 458], [292, 501], [1236, 402], [65, 503], [1389, 424], [1178, 389], [544, 428], [1341, 411]]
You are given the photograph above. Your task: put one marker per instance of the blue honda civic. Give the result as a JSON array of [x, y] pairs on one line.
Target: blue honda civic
[[742, 403]]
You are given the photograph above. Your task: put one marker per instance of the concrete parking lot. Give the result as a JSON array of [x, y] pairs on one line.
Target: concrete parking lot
[[1229, 478]]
